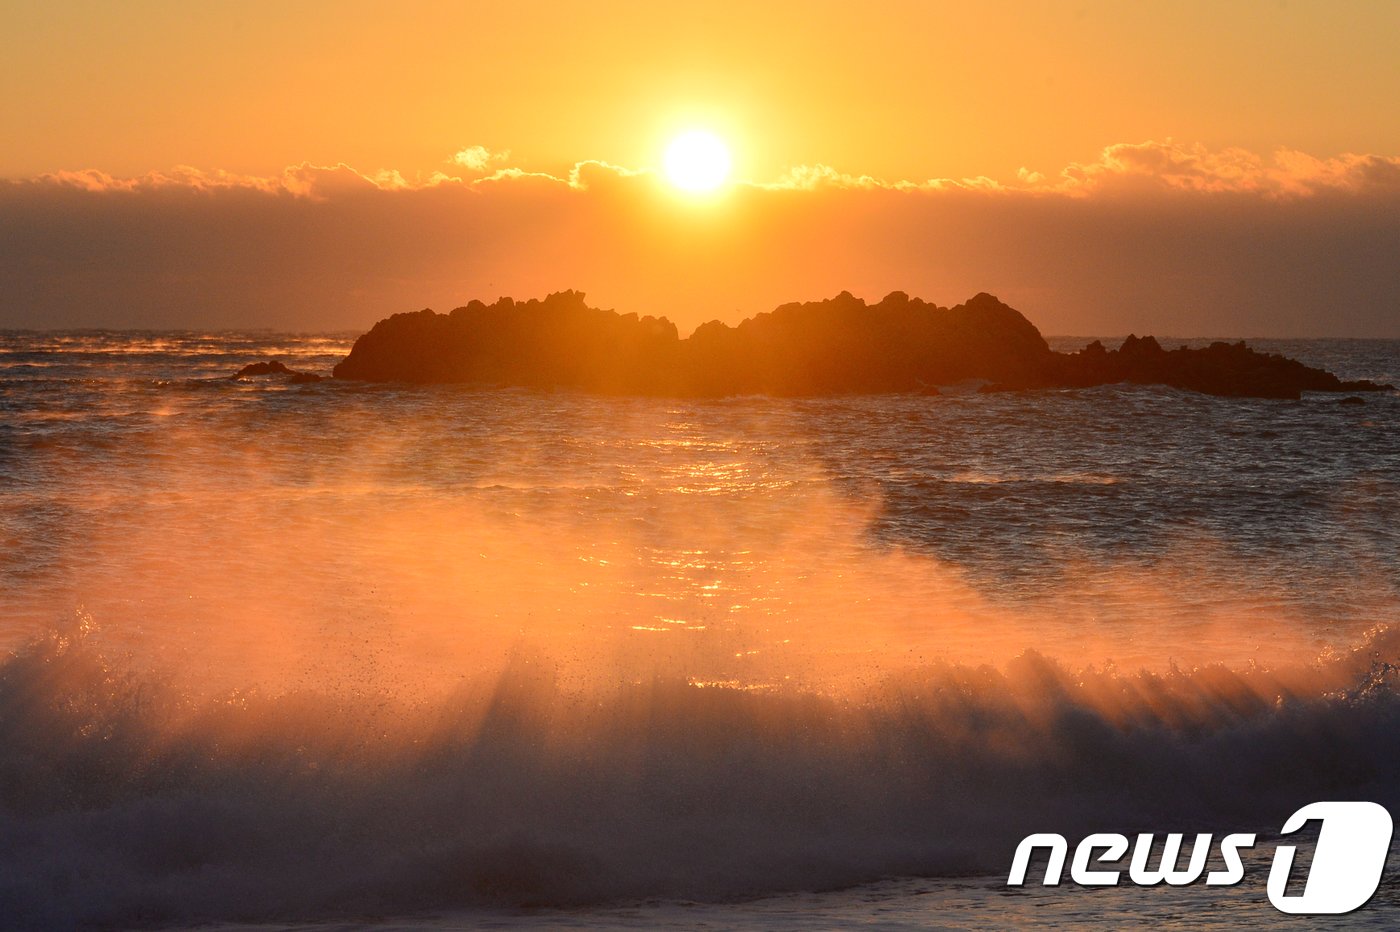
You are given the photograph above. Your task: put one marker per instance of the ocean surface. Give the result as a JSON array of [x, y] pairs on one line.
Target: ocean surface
[[438, 657]]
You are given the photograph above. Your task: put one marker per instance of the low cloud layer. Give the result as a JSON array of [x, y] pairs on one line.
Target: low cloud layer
[[1157, 236]]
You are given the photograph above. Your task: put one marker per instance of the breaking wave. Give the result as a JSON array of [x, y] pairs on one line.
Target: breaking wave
[[125, 799]]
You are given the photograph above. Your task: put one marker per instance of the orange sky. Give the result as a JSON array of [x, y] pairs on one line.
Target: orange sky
[[899, 90], [1031, 137]]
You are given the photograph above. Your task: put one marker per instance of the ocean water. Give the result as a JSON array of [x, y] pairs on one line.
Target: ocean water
[[437, 657]]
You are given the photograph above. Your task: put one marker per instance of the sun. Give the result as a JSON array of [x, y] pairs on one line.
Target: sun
[[697, 161]]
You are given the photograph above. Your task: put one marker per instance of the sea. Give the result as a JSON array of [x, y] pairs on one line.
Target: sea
[[341, 655]]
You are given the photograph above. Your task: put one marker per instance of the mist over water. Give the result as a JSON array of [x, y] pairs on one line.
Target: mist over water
[[345, 650]]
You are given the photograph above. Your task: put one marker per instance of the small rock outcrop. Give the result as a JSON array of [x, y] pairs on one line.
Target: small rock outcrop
[[275, 367], [1231, 370]]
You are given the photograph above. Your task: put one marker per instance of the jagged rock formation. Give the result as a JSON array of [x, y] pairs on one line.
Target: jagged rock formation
[[838, 346], [843, 345], [559, 342]]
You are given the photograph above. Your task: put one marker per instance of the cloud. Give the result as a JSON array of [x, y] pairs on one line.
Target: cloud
[[812, 177], [478, 158], [304, 180], [593, 174], [1171, 166], [1140, 167], [1152, 166], [1155, 236]]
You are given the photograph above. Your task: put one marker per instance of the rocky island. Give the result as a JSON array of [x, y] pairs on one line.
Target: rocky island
[[839, 346]]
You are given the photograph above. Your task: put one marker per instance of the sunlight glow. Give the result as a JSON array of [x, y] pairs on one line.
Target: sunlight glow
[[697, 161]]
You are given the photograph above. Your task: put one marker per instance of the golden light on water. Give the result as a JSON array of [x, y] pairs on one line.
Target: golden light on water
[[740, 560]]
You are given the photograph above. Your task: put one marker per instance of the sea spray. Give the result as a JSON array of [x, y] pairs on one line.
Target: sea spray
[[364, 651], [127, 800]]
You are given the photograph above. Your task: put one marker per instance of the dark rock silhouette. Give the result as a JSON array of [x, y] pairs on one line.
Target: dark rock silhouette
[[843, 345], [558, 342], [275, 367], [261, 368], [838, 346]]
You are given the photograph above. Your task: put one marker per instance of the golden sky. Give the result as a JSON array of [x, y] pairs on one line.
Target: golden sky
[[939, 148], [898, 90]]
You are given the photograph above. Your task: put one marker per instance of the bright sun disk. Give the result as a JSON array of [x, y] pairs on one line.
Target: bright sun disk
[[697, 161]]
